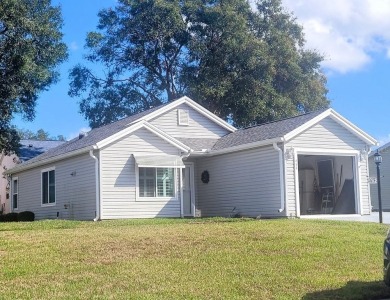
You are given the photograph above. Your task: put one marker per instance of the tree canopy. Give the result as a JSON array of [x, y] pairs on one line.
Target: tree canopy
[[40, 135], [31, 48], [246, 65]]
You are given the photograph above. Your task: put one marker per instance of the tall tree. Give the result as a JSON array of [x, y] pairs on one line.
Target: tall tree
[[140, 45], [40, 135], [247, 66], [31, 48]]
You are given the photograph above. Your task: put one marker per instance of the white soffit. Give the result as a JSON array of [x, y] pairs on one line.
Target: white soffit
[[159, 161]]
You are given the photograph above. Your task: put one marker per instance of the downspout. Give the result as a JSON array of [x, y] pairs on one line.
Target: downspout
[[281, 175], [97, 217]]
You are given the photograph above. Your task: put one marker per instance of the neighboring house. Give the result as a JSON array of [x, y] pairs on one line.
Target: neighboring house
[[27, 150], [385, 178], [179, 160]]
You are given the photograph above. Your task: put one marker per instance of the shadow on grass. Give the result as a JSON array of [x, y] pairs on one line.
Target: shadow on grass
[[355, 290]]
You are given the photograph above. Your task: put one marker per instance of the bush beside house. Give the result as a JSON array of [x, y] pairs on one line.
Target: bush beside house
[[24, 216]]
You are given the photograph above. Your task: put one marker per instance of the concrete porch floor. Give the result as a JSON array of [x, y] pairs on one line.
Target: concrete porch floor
[[374, 217]]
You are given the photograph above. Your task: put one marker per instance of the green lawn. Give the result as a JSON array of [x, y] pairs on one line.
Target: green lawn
[[192, 259]]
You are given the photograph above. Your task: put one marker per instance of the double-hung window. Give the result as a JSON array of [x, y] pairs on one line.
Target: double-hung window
[[48, 187], [156, 182], [15, 191]]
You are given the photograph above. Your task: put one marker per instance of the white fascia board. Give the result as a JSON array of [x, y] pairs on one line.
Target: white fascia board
[[209, 114], [119, 134], [307, 125], [170, 139], [192, 104], [353, 128], [244, 147], [337, 118], [334, 152], [50, 160], [139, 125]]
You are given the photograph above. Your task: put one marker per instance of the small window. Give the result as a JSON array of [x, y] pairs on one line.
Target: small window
[[183, 117], [48, 187], [156, 182], [15, 191]]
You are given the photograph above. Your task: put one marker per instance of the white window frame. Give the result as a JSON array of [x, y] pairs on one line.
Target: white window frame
[[48, 190], [183, 112], [15, 193], [157, 198]]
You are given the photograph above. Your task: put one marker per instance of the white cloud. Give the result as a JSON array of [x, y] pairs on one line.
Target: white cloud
[[76, 134], [346, 32], [73, 46]]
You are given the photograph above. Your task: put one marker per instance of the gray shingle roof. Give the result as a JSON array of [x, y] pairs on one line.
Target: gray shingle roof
[[32, 148], [264, 131], [198, 144], [94, 136], [239, 137]]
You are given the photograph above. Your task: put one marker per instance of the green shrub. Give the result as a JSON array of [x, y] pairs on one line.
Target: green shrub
[[11, 217], [26, 216]]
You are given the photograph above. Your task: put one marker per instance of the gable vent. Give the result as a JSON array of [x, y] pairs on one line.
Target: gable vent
[[183, 117]]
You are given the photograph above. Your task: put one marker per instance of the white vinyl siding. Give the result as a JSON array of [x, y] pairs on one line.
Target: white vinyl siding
[[199, 126], [119, 178], [385, 181], [75, 195], [290, 186], [365, 188], [326, 135], [248, 181]]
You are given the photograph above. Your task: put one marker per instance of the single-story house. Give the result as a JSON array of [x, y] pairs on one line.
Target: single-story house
[[179, 160], [385, 178], [28, 149]]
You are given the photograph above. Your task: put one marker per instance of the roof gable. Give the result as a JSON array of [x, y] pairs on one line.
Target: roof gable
[[149, 127], [284, 131], [338, 119], [105, 134], [193, 105]]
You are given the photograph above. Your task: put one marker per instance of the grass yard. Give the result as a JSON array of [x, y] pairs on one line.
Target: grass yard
[[192, 259]]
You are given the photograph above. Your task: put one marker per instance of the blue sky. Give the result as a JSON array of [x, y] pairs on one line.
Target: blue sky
[[353, 36]]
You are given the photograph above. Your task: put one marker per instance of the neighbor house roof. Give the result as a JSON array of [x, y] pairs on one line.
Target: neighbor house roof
[[385, 148], [32, 148]]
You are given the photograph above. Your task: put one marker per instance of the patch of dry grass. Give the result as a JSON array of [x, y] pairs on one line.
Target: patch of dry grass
[[191, 259]]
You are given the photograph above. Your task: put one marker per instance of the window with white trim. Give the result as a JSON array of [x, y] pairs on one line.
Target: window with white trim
[[156, 182], [48, 187], [183, 117], [15, 191]]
